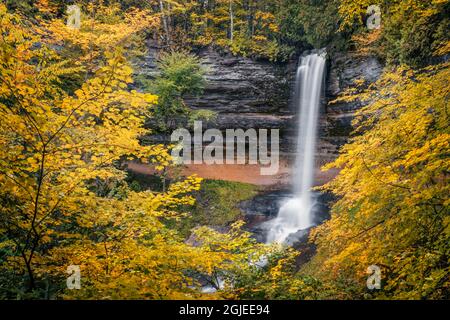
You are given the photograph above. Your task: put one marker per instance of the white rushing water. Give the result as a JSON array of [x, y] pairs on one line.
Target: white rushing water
[[296, 213]]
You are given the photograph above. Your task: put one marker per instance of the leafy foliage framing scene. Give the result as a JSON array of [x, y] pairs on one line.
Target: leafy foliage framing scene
[[87, 178]]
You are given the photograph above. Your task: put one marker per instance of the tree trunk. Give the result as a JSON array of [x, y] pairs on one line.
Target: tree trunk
[[164, 21], [31, 282], [231, 21], [251, 25]]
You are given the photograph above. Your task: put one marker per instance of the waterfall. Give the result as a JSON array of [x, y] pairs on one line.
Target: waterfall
[[296, 213]]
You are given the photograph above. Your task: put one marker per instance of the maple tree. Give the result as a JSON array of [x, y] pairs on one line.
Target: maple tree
[[393, 187], [63, 194], [103, 28]]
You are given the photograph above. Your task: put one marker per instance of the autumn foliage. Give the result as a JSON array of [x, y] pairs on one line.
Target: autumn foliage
[[63, 195], [72, 116]]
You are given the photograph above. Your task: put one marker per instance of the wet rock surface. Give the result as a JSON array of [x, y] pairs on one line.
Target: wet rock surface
[[264, 207], [335, 123], [242, 85]]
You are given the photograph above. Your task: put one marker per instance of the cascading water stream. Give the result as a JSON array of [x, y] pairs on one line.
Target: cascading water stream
[[296, 213]]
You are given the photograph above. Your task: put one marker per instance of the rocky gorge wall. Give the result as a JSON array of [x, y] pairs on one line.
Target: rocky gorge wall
[[257, 94], [335, 121]]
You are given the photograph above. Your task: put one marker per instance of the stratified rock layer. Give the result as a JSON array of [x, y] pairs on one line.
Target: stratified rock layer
[[257, 94]]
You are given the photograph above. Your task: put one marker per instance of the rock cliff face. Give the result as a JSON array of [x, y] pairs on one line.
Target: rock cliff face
[[242, 86], [257, 94], [247, 93], [335, 122]]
